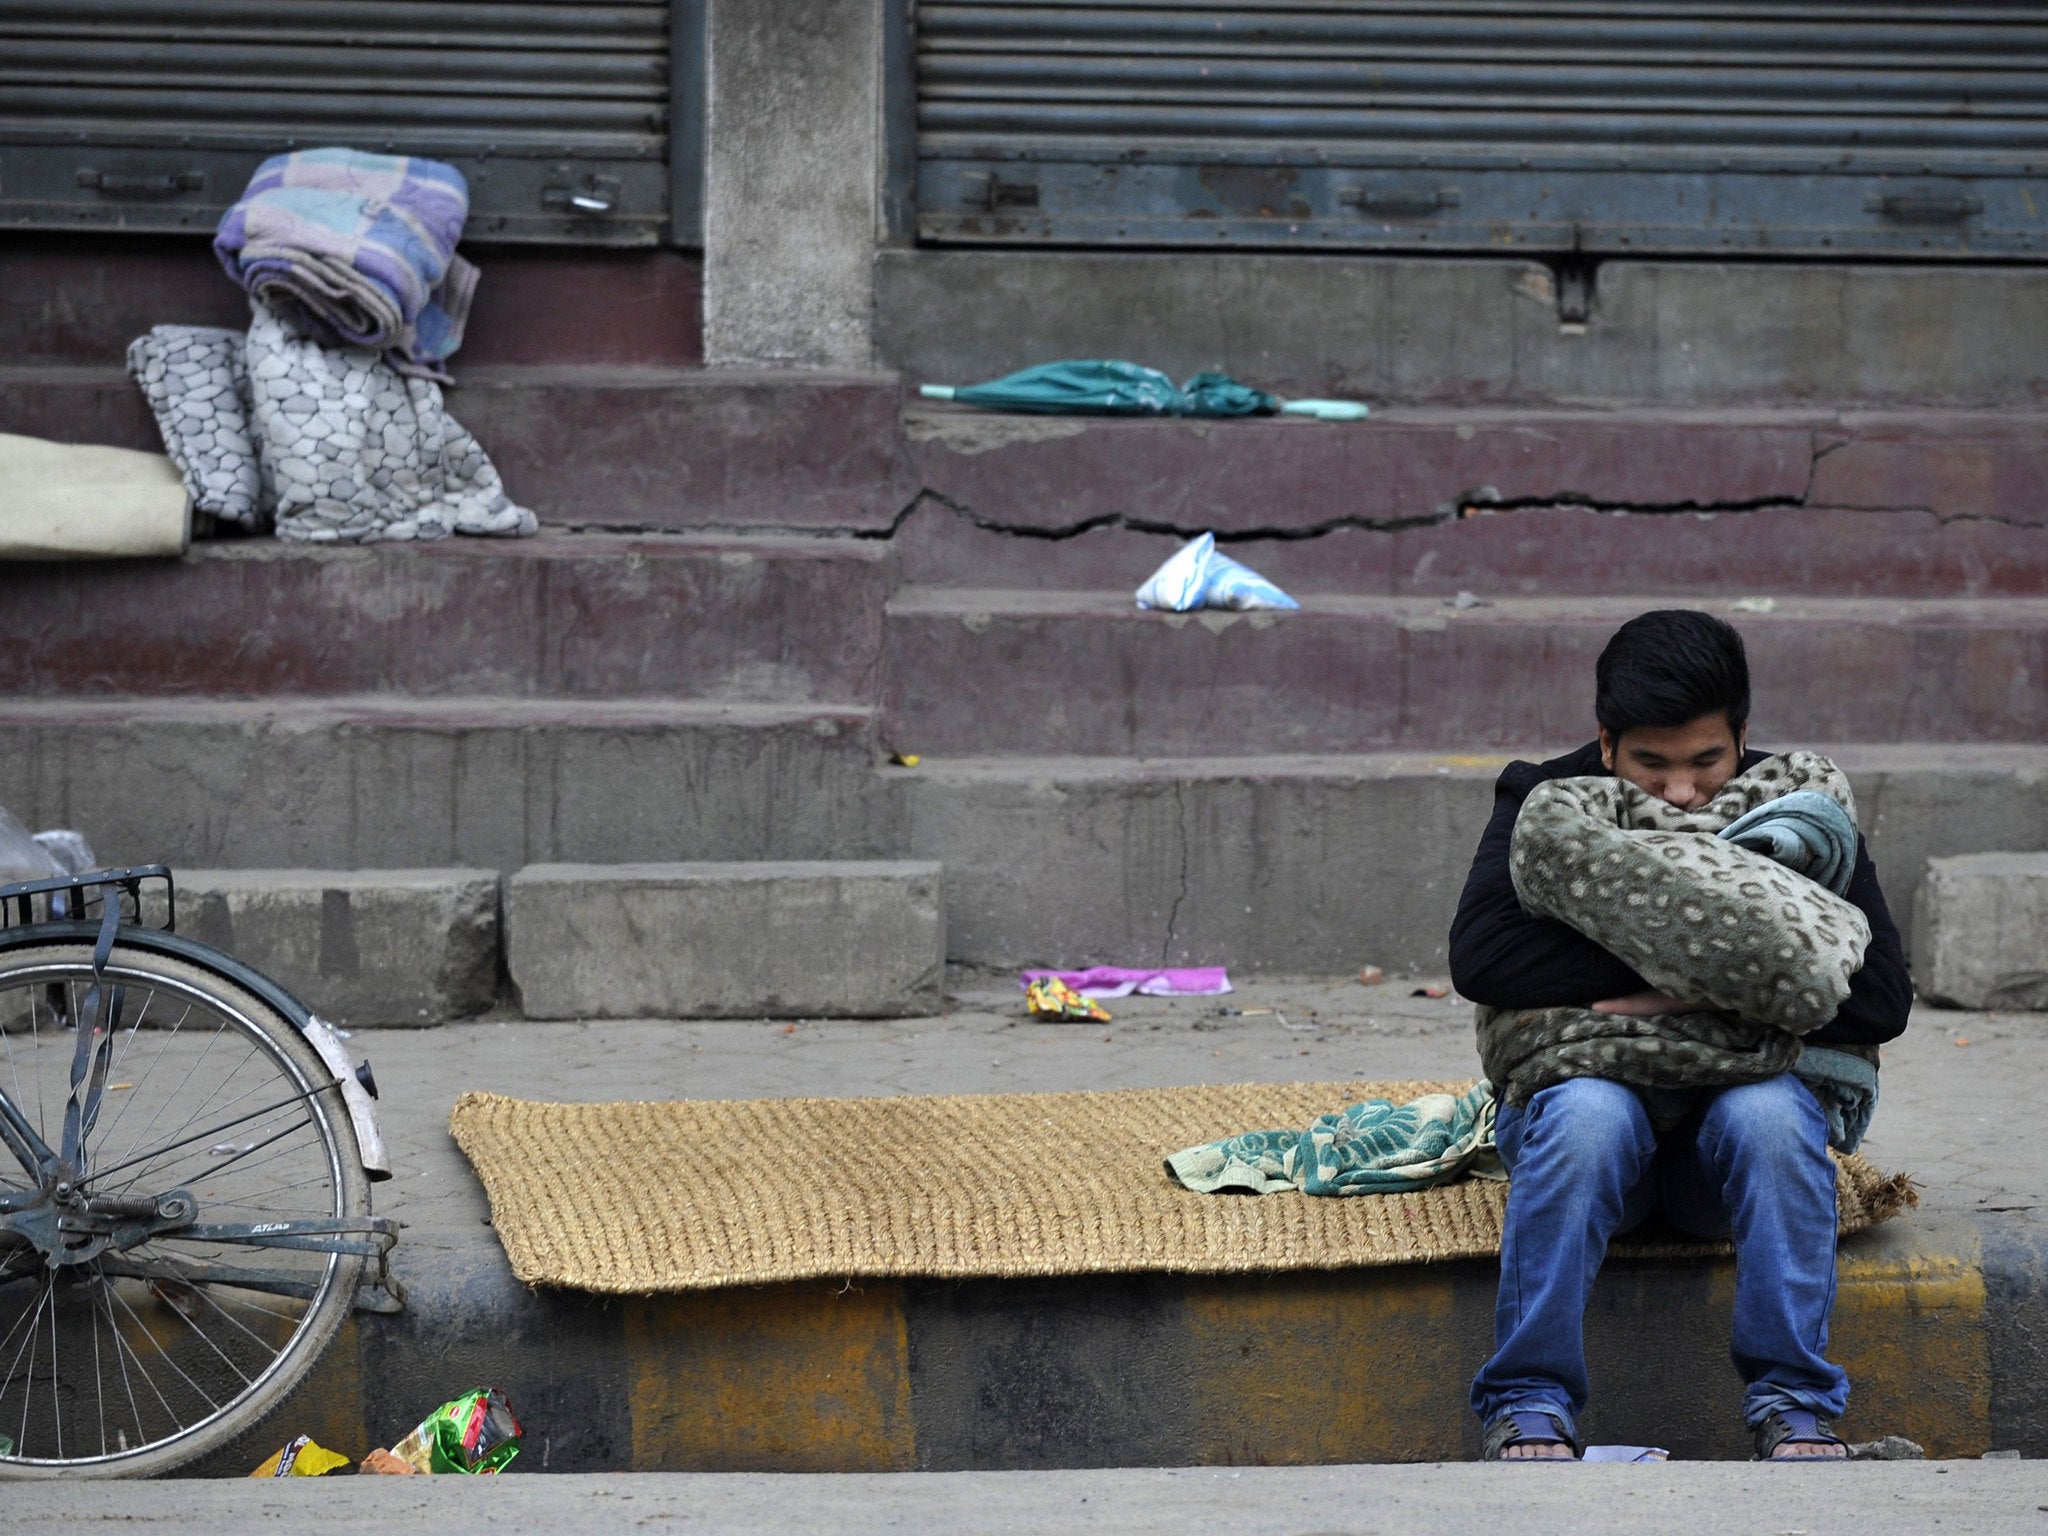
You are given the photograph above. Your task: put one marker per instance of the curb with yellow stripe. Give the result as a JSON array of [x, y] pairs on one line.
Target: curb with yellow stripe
[[1942, 1324]]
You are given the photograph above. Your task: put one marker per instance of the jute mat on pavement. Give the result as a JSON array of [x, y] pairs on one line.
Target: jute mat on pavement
[[696, 1194]]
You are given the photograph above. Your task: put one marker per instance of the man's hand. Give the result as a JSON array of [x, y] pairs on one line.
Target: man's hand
[[1640, 1005]]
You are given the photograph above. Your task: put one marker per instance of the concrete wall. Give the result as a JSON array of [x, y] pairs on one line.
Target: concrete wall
[[70, 299], [1452, 331], [797, 275], [792, 167]]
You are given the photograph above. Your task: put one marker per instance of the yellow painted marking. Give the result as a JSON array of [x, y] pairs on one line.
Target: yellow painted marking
[[1909, 1328], [1363, 1365], [783, 1378], [328, 1404]]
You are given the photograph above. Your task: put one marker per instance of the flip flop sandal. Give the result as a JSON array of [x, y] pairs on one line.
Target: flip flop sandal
[[1528, 1426], [1796, 1426]]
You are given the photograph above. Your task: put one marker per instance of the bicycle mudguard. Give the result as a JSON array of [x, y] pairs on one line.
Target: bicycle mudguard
[[322, 1036]]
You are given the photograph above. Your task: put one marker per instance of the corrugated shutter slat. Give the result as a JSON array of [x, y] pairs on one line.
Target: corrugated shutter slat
[[150, 114], [1687, 125]]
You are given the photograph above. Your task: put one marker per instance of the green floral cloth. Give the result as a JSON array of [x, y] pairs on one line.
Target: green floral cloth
[[1374, 1148]]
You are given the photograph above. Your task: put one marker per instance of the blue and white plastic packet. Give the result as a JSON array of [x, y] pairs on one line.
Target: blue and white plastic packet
[[1196, 576]]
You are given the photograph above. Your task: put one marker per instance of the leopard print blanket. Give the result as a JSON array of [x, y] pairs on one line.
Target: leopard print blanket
[[1768, 950]]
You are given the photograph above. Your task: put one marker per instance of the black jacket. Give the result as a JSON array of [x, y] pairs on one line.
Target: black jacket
[[1505, 957]]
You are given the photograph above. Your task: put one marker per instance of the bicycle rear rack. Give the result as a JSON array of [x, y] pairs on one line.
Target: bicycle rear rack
[[19, 904]]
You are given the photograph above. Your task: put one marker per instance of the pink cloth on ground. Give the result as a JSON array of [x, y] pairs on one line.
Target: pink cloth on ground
[[1122, 981]]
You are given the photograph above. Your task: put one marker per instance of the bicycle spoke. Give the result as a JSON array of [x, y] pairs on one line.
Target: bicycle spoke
[[211, 1040], [121, 1341], [225, 1125], [25, 1318], [188, 1269], [56, 1376], [28, 1344], [99, 1382], [100, 1301], [264, 1207], [157, 1345], [141, 1163], [205, 1294], [207, 1339], [7, 1040], [137, 1089]]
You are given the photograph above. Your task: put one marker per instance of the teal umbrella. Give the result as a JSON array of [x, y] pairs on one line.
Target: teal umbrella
[[1073, 388], [1109, 388], [1217, 394]]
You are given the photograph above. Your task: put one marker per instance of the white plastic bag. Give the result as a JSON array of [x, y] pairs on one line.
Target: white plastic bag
[[21, 856], [1197, 576]]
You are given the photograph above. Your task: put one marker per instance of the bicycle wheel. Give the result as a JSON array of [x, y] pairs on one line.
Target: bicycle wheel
[[185, 1278]]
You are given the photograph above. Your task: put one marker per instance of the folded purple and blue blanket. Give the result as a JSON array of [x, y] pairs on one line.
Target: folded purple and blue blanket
[[359, 247]]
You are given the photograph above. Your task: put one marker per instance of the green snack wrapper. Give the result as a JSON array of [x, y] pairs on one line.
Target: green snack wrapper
[[476, 1434]]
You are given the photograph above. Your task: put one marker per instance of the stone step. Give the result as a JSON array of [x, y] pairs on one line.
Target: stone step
[[841, 939], [1317, 865], [757, 618], [358, 947], [1056, 486], [1926, 501], [492, 783], [605, 446], [1533, 551], [977, 672]]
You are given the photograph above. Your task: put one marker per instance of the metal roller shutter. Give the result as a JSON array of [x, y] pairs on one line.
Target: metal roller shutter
[[150, 114], [1837, 127]]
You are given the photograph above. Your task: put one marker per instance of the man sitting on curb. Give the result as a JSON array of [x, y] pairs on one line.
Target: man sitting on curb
[[1590, 1156]]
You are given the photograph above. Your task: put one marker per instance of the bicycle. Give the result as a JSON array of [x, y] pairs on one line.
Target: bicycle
[[185, 1166]]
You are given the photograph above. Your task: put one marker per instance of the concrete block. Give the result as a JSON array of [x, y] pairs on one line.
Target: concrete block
[[370, 946], [853, 939], [1980, 931]]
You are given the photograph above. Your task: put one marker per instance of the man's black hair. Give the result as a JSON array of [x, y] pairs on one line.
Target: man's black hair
[[1668, 667]]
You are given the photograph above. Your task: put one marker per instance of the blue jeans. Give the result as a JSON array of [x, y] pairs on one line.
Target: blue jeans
[[1587, 1163]]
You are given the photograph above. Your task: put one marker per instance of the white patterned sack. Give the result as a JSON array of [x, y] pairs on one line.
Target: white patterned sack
[[352, 452], [191, 375], [1197, 576]]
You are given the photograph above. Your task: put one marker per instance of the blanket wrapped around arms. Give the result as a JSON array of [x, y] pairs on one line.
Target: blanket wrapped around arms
[[1736, 905], [1699, 905]]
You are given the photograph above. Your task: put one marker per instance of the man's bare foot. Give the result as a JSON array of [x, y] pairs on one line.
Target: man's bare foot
[[1536, 1451], [1808, 1451]]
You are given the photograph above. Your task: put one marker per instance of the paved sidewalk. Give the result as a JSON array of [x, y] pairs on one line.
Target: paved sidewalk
[[1953, 1498], [1940, 1317], [1940, 1118]]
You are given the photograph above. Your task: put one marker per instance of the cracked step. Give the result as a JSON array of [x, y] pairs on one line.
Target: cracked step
[[649, 447], [1529, 551], [975, 672], [494, 783], [760, 618], [1319, 864], [1281, 477]]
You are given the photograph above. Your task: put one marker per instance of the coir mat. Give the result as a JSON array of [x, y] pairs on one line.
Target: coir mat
[[682, 1195]]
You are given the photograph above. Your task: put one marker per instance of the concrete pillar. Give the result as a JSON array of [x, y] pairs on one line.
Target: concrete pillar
[[792, 169]]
